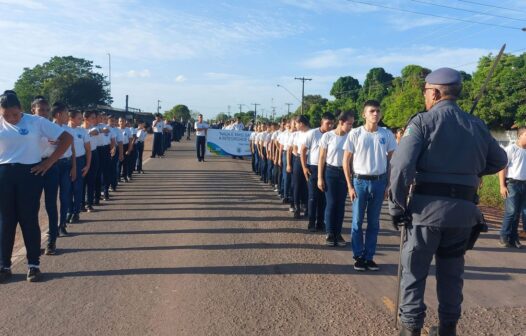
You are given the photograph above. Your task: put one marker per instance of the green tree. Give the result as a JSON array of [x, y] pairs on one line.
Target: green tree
[[222, 116], [179, 112], [345, 88], [376, 86], [68, 79]]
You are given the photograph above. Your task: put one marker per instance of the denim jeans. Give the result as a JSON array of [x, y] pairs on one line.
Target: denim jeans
[[77, 188], [284, 179], [370, 197], [50, 181], [300, 184], [140, 151], [316, 204], [157, 147], [200, 143], [336, 195], [89, 181], [514, 206], [19, 204], [64, 183]]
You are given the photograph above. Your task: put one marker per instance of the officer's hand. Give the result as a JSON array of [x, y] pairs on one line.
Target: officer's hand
[[321, 185], [401, 220], [352, 193], [504, 192]]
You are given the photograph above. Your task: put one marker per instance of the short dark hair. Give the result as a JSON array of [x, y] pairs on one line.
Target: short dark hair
[[345, 115], [73, 113], [9, 99], [303, 119], [452, 90], [327, 116], [88, 114], [57, 108], [38, 100], [371, 103]]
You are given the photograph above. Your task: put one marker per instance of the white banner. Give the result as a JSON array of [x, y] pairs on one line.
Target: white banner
[[228, 143]]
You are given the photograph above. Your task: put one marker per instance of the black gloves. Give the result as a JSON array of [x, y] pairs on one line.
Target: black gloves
[[404, 220]]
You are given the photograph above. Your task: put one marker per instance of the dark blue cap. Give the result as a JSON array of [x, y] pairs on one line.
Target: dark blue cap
[[444, 76]]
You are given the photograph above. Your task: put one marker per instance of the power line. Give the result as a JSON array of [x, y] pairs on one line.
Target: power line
[[492, 6], [437, 16], [467, 10]]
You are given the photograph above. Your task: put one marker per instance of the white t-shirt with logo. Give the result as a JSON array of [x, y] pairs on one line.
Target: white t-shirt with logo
[[333, 143], [158, 127], [202, 125], [117, 134], [312, 143], [141, 135], [370, 150], [516, 162], [80, 138], [20, 143], [126, 135]]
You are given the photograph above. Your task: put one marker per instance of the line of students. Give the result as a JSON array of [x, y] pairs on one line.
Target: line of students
[[163, 135], [314, 170], [78, 158]]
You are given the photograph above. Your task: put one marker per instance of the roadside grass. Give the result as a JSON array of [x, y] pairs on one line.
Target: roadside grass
[[489, 193]]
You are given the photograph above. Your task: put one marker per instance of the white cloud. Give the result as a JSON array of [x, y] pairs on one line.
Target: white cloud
[[28, 4], [321, 6], [138, 74], [180, 79], [403, 23]]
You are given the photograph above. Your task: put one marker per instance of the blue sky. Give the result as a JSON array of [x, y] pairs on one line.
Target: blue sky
[[211, 54]]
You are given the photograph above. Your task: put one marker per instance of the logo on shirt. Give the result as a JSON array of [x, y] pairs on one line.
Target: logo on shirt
[[79, 136], [382, 141], [23, 131]]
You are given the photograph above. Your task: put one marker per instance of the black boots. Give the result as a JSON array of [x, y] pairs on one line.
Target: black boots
[[449, 329], [404, 331]]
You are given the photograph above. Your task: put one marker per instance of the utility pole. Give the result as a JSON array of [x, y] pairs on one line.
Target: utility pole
[[109, 72], [158, 106], [240, 107], [302, 79], [255, 111], [273, 113], [288, 108]]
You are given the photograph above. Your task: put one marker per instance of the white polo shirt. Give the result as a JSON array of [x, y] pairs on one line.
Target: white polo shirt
[[158, 126], [370, 150], [333, 143], [80, 138], [312, 143], [20, 143], [202, 125], [117, 134], [105, 138], [93, 139], [516, 162], [284, 139], [126, 135], [141, 135]]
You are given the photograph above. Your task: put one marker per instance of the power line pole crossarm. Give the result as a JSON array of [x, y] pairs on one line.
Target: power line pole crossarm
[[255, 111], [302, 79]]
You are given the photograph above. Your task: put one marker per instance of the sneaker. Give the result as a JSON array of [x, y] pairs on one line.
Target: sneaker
[[34, 274], [359, 264], [371, 265], [75, 219], [62, 232], [112, 189], [516, 244], [106, 198], [68, 218], [5, 274], [83, 209], [89, 208], [297, 214], [51, 249], [504, 242], [329, 240], [340, 241], [97, 202], [291, 209]]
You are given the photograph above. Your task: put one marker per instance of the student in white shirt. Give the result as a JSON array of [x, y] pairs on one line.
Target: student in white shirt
[[251, 141], [298, 178], [90, 124], [127, 144], [103, 150], [158, 127], [238, 125], [513, 189], [277, 158], [133, 152], [283, 147], [168, 129], [21, 170], [331, 178], [116, 152], [273, 157], [310, 152], [262, 150], [290, 162], [81, 143], [141, 137], [368, 150], [201, 128]]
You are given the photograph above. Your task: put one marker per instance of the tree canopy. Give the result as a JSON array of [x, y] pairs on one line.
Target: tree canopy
[[178, 112], [71, 80]]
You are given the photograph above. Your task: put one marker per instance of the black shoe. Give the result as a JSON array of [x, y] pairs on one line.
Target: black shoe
[[75, 219], [51, 249], [311, 227], [83, 209], [106, 198], [68, 218], [359, 264], [504, 242], [329, 240], [371, 265], [320, 227], [5, 274], [516, 244], [443, 329], [126, 180], [340, 241], [297, 214], [404, 331], [285, 201], [89, 208], [34, 274], [97, 202], [62, 232]]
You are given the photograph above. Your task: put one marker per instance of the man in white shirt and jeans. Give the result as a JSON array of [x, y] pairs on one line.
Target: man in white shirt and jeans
[[368, 150], [513, 188], [201, 128]]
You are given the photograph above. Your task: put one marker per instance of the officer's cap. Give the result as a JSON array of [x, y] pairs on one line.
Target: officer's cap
[[444, 76]]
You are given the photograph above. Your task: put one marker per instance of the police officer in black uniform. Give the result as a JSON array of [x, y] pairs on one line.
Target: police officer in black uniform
[[443, 154]]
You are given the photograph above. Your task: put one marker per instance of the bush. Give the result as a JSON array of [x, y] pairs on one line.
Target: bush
[[490, 192]]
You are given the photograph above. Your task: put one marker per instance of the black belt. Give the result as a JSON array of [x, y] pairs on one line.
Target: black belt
[[334, 167], [456, 191], [369, 177], [510, 180]]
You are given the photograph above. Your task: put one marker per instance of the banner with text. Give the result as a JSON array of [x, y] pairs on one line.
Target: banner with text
[[228, 143]]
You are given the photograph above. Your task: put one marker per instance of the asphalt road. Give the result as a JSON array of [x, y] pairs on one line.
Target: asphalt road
[[204, 249]]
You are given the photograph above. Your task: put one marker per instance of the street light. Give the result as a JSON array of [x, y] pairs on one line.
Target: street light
[[292, 94]]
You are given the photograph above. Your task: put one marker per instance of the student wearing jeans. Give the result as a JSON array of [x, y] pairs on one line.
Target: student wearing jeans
[[201, 128], [368, 150], [513, 189], [331, 178]]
